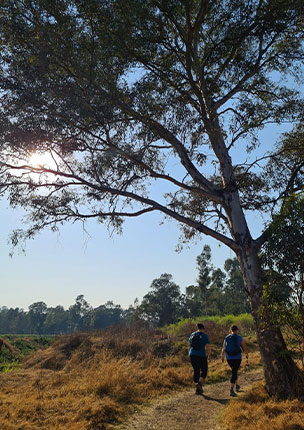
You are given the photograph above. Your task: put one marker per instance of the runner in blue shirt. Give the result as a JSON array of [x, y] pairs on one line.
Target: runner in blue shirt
[[198, 346], [232, 347]]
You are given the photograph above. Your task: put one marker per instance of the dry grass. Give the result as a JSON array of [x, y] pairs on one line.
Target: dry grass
[[89, 382], [255, 411]]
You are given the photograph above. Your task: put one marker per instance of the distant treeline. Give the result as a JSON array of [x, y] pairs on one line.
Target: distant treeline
[[217, 292]]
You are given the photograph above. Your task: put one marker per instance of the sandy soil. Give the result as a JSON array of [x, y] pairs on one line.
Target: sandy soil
[[185, 410]]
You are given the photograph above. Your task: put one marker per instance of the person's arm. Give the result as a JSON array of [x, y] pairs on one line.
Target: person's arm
[[223, 351], [244, 348], [208, 350]]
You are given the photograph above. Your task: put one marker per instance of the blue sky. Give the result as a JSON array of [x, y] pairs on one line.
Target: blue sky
[[58, 267]]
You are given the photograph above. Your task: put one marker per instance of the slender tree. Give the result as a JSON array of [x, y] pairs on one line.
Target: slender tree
[[235, 297], [124, 94], [80, 314], [204, 277]]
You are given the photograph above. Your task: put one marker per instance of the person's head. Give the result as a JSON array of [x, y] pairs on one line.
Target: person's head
[[200, 326], [234, 329]]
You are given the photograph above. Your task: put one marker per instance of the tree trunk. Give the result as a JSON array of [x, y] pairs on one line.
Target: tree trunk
[[281, 373]]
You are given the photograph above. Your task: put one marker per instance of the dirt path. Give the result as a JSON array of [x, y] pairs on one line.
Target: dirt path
[[184, 410]]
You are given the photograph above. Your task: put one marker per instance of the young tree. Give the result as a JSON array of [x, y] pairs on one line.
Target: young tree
[[80, 314], [216, 297], [204, 277], [118, 92], [236, 301]]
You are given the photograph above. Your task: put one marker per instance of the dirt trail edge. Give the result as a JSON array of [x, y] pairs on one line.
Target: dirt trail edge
[[180, 410]]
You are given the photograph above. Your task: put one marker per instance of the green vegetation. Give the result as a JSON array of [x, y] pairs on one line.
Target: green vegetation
[[243, 321], [14, 349], [283, 264]]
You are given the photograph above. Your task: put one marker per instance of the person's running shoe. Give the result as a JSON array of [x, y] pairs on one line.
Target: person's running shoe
[[198, 388], [232, 393], [237, 388]]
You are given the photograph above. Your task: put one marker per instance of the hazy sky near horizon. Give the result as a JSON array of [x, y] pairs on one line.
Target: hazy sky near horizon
[[58, 267]]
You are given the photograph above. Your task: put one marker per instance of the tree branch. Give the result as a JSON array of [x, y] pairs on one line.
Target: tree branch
[[146, 201], [247, 76]]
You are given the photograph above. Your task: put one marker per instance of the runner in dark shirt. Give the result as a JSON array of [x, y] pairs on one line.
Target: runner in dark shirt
[[199, 358]]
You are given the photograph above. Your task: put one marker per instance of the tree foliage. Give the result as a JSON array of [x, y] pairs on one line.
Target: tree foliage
[[284, 251], [283, 260], [162, 305], [118, 91], [217, 292]]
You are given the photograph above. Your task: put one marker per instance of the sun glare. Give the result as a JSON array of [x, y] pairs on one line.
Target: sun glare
[[41, 160]]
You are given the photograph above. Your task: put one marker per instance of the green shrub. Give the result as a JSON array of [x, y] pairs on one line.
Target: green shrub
[[185, 326]]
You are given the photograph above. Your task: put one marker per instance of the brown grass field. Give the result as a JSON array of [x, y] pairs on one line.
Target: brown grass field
[[92, 381], [256, 411]]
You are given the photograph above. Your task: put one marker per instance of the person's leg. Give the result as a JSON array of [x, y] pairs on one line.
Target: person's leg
[[232, 364], [237, 386], [195, 361], [236, 382], [204, 369], [237, 364], [196, 364]]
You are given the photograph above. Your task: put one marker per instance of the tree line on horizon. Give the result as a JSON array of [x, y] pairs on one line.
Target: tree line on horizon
[[216, 292]]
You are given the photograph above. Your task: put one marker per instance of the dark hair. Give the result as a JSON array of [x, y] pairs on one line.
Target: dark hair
[[200, 326], [234, 328]]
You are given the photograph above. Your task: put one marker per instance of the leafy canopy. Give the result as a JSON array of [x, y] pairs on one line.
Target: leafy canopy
[[128, 97]]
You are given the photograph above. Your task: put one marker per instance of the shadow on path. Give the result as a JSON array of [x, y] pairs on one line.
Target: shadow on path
[[221, 401]]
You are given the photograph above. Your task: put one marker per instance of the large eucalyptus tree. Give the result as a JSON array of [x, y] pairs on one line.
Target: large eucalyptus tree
[[133, 99]]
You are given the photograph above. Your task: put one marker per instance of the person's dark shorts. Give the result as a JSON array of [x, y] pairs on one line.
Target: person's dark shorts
[[200, 367]]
